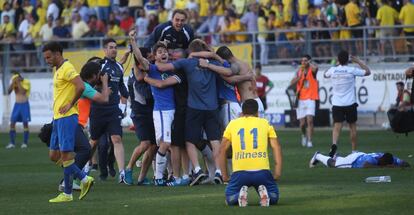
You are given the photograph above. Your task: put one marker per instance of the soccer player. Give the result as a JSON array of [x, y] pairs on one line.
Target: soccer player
[[344, 106], [202, 104], [21, 109], [359, 160], [106, 118], [249, 137], [247, 89], [307, 93], [67, 89]]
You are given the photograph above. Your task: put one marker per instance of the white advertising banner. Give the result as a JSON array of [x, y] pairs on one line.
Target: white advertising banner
[[373, 93]]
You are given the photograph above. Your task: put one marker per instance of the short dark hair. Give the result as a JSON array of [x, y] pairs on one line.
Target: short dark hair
[[180, 11], [400, 83], [94, 59], [157, 46], [250, 107], [144, 52], [386, 159], [89, 70], [53, 47], [258, 66], [343, 57], [307, 56], [198, 45], [108, 40], [224, 52]]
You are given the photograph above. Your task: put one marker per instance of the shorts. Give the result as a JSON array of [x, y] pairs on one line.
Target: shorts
[[178, 129], [346, 162], [228, 112], [198, 120], [385, 34], [162, 123], [107, 122], [251, 178], [21, 112], [305, 108], [342, 113], [144, 127], [63, 133], [357, 33]]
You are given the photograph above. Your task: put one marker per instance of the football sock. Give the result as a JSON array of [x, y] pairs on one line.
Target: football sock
[[322, 158], [74, 170], [67, 177], [25, 135], [197, 169], [160, 165], [12, 134], [218, 171]]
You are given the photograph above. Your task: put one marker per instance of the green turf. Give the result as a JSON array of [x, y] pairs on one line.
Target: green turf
[[28, 180]]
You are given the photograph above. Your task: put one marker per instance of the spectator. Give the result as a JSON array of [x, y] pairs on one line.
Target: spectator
[[40, 12], [115, 31], [353, 17], [406, 18], [53, 10], [7, 11], [103, 9], [34, 29], [152, 7], [141, 24], [303, 10], [240, 6], [113, 17], [152, 22], [127, 22], [19, 15], [46, 31], [263, 84], [97, 27], [287, 10], [261, 38], [27, 7], [192, 5], [82, 10], [79, 27], [386, 16], [67, 12], [403, 97], [162, 15], [194, 20], [7, 28], [249, 19], [134, 5], [204, 7], [25, 36], [209, 26], [60, 31], [180, 4]]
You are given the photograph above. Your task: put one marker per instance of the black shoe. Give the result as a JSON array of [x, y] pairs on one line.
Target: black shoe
[[198, 177], [218, 179], [333, 150]]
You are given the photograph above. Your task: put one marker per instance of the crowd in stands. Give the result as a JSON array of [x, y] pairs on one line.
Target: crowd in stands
[[33, 21]]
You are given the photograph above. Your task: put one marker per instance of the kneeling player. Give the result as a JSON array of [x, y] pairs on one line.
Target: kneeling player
[[248, 136]]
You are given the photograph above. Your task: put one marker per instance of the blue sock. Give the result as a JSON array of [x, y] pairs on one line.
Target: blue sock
[[12, 134], [25, 135], [77, 173], [67, 176], [233, 199]]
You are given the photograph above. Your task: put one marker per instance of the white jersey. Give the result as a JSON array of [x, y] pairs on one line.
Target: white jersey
[[343, 83]]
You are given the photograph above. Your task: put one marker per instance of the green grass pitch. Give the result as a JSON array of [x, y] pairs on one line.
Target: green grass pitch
[[28, 180]]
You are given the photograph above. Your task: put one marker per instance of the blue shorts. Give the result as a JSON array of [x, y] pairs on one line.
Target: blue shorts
[[197, 121], [63, 133], [21, 112], [144, 127], [105, 122], [251, 178]]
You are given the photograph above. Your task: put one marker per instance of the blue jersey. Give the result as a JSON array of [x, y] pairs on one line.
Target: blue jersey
[[372, 158], [140, 95], [116, 82], [163, 97], [227, 91], [202, 87]]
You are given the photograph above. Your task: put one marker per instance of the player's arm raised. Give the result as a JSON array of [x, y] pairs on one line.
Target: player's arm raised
[[225, 144], [277, 157], [361, 64], [142, 61], [103, 97]]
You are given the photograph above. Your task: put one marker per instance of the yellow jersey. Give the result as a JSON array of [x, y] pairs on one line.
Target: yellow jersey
[[236, 26], [387, 15], [7, 29], [204, 5], [303, 7], [406, 16], [64, 90], [180, 4], [249, 141], [103, 3], [352, 13]]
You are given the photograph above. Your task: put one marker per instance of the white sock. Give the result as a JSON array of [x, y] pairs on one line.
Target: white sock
[[121, 172], [208, 156], [160, 165], [322, 158], [84, 179], [68, 195], [190, 167], [196, 169], [218, 171], [177, 179]]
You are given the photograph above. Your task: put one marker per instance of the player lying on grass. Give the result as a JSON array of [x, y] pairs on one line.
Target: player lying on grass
[[249, 137], [359, 160]]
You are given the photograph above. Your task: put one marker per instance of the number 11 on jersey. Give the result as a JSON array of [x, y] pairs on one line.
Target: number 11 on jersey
[[242, 139]]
